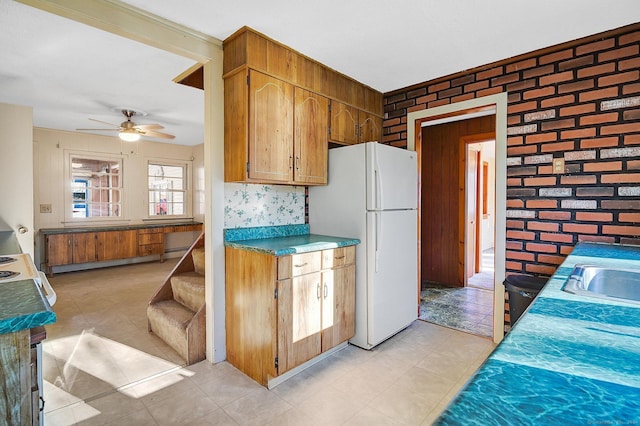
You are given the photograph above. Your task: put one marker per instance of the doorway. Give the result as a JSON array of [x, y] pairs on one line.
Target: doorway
[[494, 106]]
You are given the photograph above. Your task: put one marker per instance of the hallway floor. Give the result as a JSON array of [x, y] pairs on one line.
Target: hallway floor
[[101, 366]]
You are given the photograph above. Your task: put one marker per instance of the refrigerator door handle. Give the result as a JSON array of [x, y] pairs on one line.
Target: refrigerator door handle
[[378, 238], [378, 186]]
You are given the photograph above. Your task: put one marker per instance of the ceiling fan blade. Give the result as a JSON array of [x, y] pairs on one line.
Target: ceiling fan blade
[[101, 130], [104, 122], [153, 134], [146, 127]]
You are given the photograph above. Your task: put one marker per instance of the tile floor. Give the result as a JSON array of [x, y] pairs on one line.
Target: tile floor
[[101, 366]]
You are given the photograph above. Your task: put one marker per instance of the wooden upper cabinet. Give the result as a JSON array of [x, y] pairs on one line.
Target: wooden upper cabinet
[[370, 127], [270, 128], [311, 121], [344, 124]]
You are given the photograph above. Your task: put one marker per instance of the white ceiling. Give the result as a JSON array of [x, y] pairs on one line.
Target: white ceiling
[[70, 72]]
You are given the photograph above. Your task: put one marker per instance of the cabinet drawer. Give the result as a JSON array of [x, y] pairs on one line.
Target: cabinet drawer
[[299, 264], [149, 249], [158, 230], [150, 239], [338, 257]]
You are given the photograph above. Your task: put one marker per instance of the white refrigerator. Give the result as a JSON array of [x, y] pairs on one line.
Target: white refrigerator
[[372, 195]]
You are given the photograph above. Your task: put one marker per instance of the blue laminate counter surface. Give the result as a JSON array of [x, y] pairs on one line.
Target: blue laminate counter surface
[[569, 360], [22, 303], [283, 240]]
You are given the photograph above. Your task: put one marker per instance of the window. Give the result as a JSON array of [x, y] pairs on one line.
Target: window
[[96, 187], [167, 189]]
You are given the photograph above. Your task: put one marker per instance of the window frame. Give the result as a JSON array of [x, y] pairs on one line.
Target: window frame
[[186, 190], [70, 186]]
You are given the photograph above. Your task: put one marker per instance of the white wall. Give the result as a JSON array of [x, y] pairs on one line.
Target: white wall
[[199, 199], [488, 223], [51, 147]]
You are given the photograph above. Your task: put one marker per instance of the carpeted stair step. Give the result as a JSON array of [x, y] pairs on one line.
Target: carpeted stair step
[[188, 289], [168, 319], [198, 260]]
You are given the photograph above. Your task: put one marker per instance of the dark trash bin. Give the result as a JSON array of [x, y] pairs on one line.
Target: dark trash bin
[[522, 290]]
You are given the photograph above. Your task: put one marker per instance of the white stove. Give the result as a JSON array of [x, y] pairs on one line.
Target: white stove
[[14, 267]]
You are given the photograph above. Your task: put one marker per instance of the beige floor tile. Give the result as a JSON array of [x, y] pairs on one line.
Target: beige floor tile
[[369, 416], [224, 384], [330, 407], [258, 407]]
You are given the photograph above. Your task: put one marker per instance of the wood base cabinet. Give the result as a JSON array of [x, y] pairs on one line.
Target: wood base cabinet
[[284, 311]]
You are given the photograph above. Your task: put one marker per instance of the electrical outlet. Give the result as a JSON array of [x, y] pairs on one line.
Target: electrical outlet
[[558, 165], [45, 208]]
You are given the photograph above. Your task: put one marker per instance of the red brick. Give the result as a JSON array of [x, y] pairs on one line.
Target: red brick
[[521, 65], [557, 238], [539, 93], [558, 124], [391, 122], [559, 100], [479, 85], [513, 266], [542, 138], [577, 109], [461, 98], [629, 241], [598, 69], [526, 106], [554, 215], [629, 38], [520, 255], [521, 235], [514, 182], [629, 217], [440, 86], [618, 78], [540, 181], [514, 245], [620, 204], [631, 115], [619, 53], [515, 204], [621, 230], [540, 269], [594, 217], [621, 178], [487, 92], [425, 99], [543, 226], [560, 146], [542, 204], [599, 118], [536, 72], [631, 89], [611, 166], [620, 128], [440, 102], [576, 86], [595, 239], [576, 63], [611, 92], [515, 140], [555, 57], [541, 248], [599, 142], [577, 180], [519, 150], [482, 75], [555, 78], [595, 46], [566, 250], [512, 120], [555, 260], [631, 139], [545, 170], [515, 224], [578, 134], [504, 79], [465, 79], [580, 228], [521, 85], [629, 64]]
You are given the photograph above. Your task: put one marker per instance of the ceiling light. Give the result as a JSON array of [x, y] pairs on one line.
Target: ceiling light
[[129, 136]]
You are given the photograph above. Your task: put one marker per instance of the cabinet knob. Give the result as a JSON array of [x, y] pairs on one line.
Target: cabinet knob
[[22, 229]]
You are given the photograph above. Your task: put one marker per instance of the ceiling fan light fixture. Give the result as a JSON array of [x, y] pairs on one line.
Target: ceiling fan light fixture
[[129, 136]]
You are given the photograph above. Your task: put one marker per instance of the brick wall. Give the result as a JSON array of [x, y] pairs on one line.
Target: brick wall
[[579, 101]]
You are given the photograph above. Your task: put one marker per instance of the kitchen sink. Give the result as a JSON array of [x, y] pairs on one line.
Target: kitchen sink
[[605, 283]]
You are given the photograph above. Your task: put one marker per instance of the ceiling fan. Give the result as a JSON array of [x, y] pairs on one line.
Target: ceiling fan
[[129, 131]]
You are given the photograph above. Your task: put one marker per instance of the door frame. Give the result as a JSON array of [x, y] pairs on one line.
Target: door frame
[[493, 104]]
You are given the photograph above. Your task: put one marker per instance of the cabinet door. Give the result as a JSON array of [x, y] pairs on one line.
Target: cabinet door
[[127, 244], [114, 245], [311, 121], [338, 306], [59, 249], [299, 312], [370, 127], [343, 124], [85, 247], [270, 128]]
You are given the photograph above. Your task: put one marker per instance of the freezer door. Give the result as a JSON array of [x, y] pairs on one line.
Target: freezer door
[[392, 273], [392, 177]]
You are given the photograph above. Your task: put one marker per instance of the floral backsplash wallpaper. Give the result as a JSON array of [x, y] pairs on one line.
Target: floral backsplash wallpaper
[[262, 205]]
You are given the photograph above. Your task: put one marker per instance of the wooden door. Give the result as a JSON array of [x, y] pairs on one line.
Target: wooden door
[[343, 124], [85, 247], [338, 306], [471, 216], [311, 121], [59, 249], [270, 128], [370, 127], [299, 315]]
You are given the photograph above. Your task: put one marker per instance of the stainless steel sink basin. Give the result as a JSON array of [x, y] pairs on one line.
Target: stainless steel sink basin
[[606, 283]]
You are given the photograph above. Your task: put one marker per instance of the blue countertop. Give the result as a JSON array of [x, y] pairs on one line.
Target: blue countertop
[[22, 303], [283, 240], [569, 359]]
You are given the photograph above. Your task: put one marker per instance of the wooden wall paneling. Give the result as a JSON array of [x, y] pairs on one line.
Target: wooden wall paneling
[[257, 52], [234, 52], [282, 62]]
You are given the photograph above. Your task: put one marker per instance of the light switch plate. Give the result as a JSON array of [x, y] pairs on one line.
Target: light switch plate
[[558, 165], [45, 208]]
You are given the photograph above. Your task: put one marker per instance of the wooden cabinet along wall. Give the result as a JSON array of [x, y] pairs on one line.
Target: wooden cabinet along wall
[[284, 311], [77, 247]]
